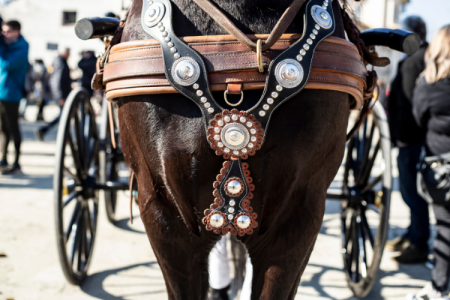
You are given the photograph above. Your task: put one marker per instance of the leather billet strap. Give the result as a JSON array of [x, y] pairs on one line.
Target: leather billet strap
[[280, 28], [136, 68]]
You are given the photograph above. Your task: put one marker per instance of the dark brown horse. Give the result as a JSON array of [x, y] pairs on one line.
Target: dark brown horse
[[164, 142]]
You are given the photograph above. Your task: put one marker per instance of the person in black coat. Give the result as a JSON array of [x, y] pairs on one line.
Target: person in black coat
[[431, 107], [60, 86], [87, 64], [409, 138]]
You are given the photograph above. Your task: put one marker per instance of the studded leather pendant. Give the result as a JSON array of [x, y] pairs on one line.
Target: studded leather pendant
[[231, 210]]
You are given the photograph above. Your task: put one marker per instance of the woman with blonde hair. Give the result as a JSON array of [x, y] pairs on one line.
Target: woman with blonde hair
[[431, 108]]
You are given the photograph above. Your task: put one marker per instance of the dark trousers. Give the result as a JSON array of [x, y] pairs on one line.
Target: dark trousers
[[441, 269], [9, 127], [419, 230]]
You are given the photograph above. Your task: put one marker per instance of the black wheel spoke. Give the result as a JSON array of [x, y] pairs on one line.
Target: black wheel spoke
[[362, 247], [80, 145], [349, 160], [75, 157], [371, 185], [355, 250], [373, 207], [77, 239], [367, 147], [367, 230], [368, 167], [73, 220], [72, 196]]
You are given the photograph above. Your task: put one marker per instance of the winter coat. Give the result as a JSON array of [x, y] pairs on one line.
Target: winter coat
[[13, 69], [402, 125], [60, 81], [89, 67], [431, 104]]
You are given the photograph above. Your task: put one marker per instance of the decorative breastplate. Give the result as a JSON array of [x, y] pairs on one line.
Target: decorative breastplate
[[234, 134]]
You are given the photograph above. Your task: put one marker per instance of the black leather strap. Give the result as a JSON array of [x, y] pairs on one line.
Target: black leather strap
[[161, 29]]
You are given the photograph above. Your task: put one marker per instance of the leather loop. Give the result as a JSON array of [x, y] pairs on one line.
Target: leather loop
[[234, 88], [259, 56], [284, 22]]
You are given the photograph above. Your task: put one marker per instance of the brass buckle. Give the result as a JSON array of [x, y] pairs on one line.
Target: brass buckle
[[231, 104]]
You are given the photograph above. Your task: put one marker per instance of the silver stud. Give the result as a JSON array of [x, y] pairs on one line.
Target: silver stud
[[250, 145], [270, 100], [195, 86], [243, 222], [253, 131], [274, 95], [303, 52], [262, 113], [211, 110], [217, 137], [299, 57], [230, 217], [234, 186], [199, 93], [220, 123], [309, 41], [162, 28], [173, 49], [177, 55], [244, 150], [315, 32], [317, 27], [226, 150], [203, 99], [279, 88], [232, 202], [216, 221], [231, 210], [220, 144], [167, 39], [306, 46], [266, 107], [170, 44], [243, 119], [207, 105], [234, 117], [160, 24], [165, 33], [235, 152], [249, 124], [253, 139], [324, 15], [312, 36], [227, 119], [216, 129]]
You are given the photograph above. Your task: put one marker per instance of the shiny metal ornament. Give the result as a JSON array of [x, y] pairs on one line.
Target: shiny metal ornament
[[185, 71], [234, 187], [266, 107], [253, 131], [220, 123], [227, 119], [321, 16], [270, 100], [211, 110], [289, 73], [230, 217], [231, 210], [243, 222], [199, 93], [262, 113], [177, 55], [154, 14], [235, 136], [207, 105], [242, 119], [216, 129], [216, 220], [232, 202], [203, 99]]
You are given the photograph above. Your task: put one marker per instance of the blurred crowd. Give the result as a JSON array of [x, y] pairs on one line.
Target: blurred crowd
[[417, 103]]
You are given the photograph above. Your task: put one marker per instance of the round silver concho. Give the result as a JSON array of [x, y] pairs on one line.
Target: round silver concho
[[154, 14], [216, 221], [321, 16], [185, 71], [243, 222], [235, 136], [234, 187], [289, 73]]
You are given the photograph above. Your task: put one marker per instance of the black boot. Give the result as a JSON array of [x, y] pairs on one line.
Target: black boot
[[221, 294]]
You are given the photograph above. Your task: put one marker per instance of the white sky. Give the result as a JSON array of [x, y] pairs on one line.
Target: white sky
[[436, 13]]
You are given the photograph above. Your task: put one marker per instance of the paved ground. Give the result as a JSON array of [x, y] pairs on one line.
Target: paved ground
[[124, 266]]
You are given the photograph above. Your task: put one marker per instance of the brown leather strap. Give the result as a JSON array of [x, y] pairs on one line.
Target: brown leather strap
[[234, 88], [111, 125], [283, 23]]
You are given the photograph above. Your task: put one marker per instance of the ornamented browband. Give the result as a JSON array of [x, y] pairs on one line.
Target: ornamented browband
[[236, 134]]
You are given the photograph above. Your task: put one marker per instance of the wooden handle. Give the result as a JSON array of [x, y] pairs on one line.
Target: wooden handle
[[91, 28]]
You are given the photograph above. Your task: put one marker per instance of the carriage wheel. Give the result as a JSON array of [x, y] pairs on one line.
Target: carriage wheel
[[365, 207], [109, 163], [74, 185]]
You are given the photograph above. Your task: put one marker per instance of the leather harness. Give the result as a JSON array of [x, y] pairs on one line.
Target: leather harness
[[196, 66]]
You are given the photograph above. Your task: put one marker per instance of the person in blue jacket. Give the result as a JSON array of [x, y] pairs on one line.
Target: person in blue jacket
[[13, 69]]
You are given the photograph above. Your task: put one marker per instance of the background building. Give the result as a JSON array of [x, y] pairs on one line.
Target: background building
[[48, 25]]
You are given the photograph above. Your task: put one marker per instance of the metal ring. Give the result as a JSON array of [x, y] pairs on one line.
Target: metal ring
[[259, 56], [230, 104]]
